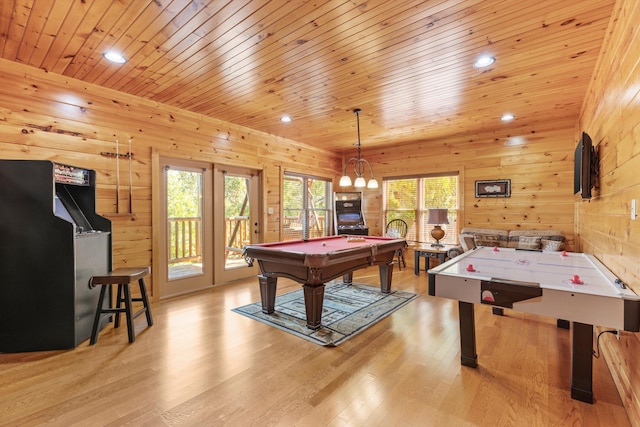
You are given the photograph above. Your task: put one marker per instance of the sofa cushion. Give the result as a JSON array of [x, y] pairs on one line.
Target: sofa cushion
[[486, 240], [467, 237], [514, 236], [551, 245], [466, 241], [529, 242], [550, 240]]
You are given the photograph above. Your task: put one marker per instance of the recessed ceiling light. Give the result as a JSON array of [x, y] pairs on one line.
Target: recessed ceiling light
[[484, 61], [285, 119], [506, 117], [114, 56]]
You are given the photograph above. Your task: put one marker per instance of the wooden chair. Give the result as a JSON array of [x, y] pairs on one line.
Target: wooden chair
[[124, 303], [401, 229]]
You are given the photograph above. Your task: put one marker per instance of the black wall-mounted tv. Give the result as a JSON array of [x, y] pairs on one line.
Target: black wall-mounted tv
[[585, 171]]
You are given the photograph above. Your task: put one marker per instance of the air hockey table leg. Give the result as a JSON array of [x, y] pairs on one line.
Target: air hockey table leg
[[466, 315], [582, 362]]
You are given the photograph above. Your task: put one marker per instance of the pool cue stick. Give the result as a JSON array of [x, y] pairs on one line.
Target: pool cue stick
[[130, 181], [117, 176]]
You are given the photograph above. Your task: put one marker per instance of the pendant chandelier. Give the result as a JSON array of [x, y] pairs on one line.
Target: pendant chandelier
[[359, 166]]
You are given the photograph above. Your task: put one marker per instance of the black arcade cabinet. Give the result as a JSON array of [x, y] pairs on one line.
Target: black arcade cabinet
[[349, 218], [51, 243]]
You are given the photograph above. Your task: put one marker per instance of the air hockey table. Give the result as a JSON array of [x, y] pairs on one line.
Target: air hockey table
[[571, 286]]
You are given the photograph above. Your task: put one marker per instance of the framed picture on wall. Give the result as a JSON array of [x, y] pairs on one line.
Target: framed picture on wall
[[493, 188]]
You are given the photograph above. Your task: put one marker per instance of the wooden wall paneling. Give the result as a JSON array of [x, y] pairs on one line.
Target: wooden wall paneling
[[611, 116], [156, 223], [540, 168], [273, 183], [372, 210], [61, 131]]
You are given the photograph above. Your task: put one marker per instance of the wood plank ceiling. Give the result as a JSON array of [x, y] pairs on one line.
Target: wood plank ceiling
[[407, 64]]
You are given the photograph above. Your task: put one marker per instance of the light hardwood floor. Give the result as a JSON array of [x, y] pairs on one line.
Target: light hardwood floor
[[204, 365]]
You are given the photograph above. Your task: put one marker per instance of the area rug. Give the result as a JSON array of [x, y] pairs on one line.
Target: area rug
[[348, 309]]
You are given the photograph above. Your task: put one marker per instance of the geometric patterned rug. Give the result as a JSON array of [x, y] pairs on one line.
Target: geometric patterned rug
[[347, 310]]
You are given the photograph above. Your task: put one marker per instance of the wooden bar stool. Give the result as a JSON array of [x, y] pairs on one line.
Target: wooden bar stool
[[123, 278]]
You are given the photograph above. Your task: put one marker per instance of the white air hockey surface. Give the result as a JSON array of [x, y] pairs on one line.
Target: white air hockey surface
[[598, 300]]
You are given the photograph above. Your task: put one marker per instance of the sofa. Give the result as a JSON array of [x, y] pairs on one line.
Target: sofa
[[545, 240]]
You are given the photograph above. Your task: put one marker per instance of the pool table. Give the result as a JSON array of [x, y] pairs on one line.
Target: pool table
[[314, 262]]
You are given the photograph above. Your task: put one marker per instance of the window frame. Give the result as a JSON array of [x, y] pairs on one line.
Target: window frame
[[418, 229], [306, 209]]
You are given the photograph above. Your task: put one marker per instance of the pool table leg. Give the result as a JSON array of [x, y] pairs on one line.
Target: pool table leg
[[386, 272], [268, 293], [313, 298]]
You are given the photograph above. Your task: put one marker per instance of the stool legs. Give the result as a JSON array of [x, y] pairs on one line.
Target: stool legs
[[124, 304], [118, 310], [96, 320], [145, 301], [124, 296]]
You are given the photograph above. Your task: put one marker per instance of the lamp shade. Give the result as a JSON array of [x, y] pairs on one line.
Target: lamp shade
[[345, 181], [360, 182], [438, 216]]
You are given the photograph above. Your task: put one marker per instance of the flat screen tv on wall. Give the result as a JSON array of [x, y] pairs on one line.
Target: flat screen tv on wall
[[585, 167]]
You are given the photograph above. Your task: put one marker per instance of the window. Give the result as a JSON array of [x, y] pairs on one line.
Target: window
[[410, 198], [306, 207]]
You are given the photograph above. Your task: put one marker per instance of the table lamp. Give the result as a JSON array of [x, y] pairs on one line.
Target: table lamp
[[437, 217]]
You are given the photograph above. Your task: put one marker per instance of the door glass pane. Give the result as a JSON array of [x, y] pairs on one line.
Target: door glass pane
[[184, 223], [237, 227], [293, 207], [319, 215]]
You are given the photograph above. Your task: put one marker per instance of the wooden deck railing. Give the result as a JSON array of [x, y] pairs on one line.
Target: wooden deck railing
[[185, 244], [237, 234]]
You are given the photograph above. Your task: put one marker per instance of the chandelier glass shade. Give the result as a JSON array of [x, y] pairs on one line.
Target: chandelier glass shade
[[360, 166]]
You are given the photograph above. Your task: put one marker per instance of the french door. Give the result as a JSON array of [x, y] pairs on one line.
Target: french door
[[207, 215], [237, 220], [187, 226]]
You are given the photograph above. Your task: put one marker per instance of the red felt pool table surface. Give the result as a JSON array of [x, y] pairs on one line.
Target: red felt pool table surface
[[331, 243]]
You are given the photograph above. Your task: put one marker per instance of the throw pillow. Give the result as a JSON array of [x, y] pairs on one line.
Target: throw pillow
[[529, 242], [551, 245], [467, 242], [486, 240]]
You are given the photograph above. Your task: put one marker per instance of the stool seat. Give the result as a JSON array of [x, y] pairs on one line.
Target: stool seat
[[120, 275], [124, 302]]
